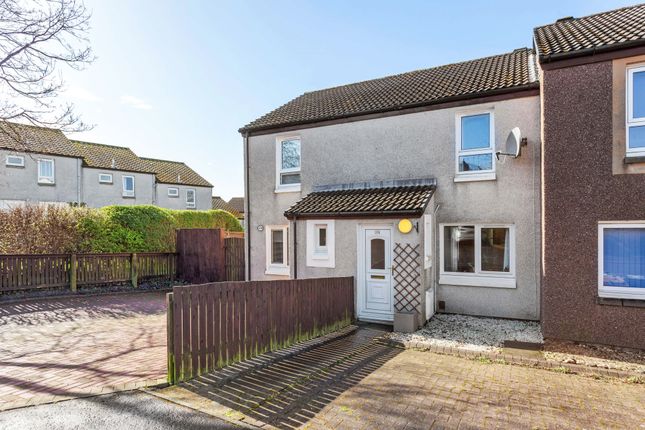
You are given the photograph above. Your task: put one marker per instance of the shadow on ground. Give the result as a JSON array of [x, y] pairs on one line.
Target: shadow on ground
[[290, 392]]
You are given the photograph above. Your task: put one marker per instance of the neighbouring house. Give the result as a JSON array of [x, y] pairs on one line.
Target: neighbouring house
[[237, 204], [395, 181], [220, 203], [41, 165], [593, 176]]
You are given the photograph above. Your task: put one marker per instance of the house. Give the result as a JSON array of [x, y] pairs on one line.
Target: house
[[237, 204], [593, 176], [395, 181], [220, 203], [42, 165]]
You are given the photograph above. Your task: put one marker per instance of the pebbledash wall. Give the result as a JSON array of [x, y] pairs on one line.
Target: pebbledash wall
[[413, 145], [585, 181], [203, 195], [96, 194]]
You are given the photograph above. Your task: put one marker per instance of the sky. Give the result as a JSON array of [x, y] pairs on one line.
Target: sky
[[176, 79]]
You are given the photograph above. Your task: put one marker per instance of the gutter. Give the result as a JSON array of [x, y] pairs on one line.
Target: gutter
[[292, 216], [590, 51], [247, 212], [532, 85]]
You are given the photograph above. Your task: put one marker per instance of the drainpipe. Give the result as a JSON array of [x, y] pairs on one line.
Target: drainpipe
[[295, 248], [247, 211], [79, 181]]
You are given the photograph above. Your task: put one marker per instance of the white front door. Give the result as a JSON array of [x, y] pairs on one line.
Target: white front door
[[375, 298]]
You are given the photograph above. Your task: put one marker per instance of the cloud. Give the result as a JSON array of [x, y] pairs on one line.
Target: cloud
[[135, 102], [80, 93]]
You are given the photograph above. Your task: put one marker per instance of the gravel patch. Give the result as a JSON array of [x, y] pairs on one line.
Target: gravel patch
[[473, 333]]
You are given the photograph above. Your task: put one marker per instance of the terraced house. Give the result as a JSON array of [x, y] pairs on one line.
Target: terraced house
[[442, 189], [41, 165]]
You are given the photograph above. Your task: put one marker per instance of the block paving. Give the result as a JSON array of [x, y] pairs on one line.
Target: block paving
[[56, 349]]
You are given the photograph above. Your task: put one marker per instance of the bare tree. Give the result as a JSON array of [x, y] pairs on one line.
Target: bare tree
[[36, 38]]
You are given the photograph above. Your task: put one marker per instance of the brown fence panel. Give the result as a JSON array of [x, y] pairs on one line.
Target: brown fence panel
[[217, 324], [103, 268], [156, 265], [200, 255], [234, 258], [23, 272]]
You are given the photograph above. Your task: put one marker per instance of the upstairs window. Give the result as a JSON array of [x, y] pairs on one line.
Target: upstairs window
[[128, 186], [46, 171], [621, 260], [320, 243], [105, 178], [190, 199], [288, 164], [636, 111], [475, 146], [173, 192], [277, 246], [15, 161]]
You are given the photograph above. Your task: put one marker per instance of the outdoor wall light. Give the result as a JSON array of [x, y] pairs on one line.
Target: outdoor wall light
[[405, 226], [260, 227]]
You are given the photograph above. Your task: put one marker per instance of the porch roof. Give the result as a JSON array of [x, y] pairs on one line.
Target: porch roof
[[387, 199]]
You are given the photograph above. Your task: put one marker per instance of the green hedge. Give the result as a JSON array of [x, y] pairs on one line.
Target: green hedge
[[109, 229]]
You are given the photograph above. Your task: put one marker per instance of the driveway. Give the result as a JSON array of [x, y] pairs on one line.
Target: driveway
[[355, 382], [54, 349]]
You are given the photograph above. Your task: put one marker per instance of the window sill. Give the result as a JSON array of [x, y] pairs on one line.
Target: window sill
[[478, 281], [128, 197], [15, 166], [50, 184], [288, 189], [627, 303], [634, 159], [621, 295], [475, 177], [279, 271]]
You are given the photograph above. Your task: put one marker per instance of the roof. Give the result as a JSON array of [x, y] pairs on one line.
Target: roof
[[237, 203], [220, 203], [508, 72], [175, 172], [606, 31], [410, 200], [30, 138], [111, 157]]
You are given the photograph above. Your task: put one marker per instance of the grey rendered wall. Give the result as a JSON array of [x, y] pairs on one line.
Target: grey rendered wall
[[21, 183], [97, 195], [411, 146], [203, 195]]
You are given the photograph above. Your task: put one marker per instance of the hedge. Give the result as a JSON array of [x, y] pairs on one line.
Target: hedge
[[55, 229]]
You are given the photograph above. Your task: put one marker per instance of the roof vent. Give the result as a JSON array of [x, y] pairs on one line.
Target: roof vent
[[566, 18], [179, 178], [113, 163]]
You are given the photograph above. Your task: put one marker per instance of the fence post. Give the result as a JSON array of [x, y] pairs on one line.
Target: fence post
[[133, 268], [170, 338], [72, 273]]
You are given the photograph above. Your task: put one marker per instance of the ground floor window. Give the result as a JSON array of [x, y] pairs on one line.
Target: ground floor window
[[277, 249], [477, 255], [621, 260], [320, 243]]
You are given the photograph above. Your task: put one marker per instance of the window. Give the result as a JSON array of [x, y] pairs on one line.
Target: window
[[475, 145], [190, 198], [105, 178], [15, 161], [621, 260], [477, 255], [46, 173], [128, 186], [288, 164], [320, 243], [277, 245], [636, 111], [427, 241], [173, 192]]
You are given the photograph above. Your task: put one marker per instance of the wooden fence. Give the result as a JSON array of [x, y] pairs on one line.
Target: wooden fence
[[234, 258], [213, 325], [25, 272]]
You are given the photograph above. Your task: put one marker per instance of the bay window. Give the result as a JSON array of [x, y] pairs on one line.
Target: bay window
[[477, 255], [621, 260]]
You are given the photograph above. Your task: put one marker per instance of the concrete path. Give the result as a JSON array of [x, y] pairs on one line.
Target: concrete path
[[54, 349], [130, 410], [355, 383]]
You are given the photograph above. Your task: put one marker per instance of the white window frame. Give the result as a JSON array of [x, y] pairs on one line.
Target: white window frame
[[103, 178], [286, 188], [479, 175], [319, 256], [21, 163], [174, 193], [191, 204], [128, 193], [49, 180], [610, 291], [478, 278], [274, 268], [427, 241], [631, 121]]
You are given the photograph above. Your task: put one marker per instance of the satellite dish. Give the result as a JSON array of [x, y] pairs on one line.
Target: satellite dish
[[514, 143]]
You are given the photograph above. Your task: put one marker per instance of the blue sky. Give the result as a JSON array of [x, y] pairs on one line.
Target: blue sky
[[176, 80]]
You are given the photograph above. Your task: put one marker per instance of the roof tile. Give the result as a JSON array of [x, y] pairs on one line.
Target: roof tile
[[175, 172], [30, 138], [111, 157]]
